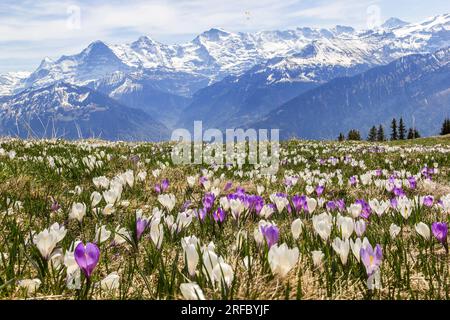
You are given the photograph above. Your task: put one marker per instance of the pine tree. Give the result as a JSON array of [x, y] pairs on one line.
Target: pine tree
[[354, 135], [445, 127], [410, 134], [413, 133], [394, 135], [401, 130], [341, 137], [372, 134], [380, 134]]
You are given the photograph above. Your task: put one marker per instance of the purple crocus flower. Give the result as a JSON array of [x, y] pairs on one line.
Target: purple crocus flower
[[141, 225], [202, 180], [258, 204], [412, 182], [271, 233], [440, 231], [399, 192], [371, 258], [394, 203], [353, 180], [240, 192], [340, 204], [208, 201], [427, 172], [331, 206], [164, 185], [186, 205], [134, 158], [378, 172], [319, 190], [87, 257], [299, 202], [201, 214], [219, 215], [228, 186], [288, 208], [157, 188], [428, 201], [366, 209], [55, 206]]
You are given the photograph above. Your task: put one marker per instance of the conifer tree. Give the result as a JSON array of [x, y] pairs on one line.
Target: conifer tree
[[372, 134], [401, 130], [380, 134], [394, 135], [445, 127], [354, 135]]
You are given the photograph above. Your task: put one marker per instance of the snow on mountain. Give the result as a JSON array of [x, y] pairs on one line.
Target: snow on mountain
[[393, 23], [412, 87], [70, 111], [10, 80], [217, 53]]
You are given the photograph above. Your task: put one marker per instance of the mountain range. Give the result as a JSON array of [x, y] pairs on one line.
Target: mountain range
[[144, 89]]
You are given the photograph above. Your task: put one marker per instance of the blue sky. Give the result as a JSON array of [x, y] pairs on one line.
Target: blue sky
[[31, 30]]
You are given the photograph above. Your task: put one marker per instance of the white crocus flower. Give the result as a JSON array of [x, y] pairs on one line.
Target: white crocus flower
[[167, 201], [237, 207], [317, 257], [282, 259], [45, 241], [111, 196], [346, 225], [296, 228], [260, 190], [121, 235], [223, 274], [280, 202], [191, 291], [78, 211], [96, 197], [157, 232], [102, 234], [311, 203], [191, 180], [111, 282], [355, 209], [394, 230], [108, 210], [423, 230], [30, 285], [184, 219], [357, 245], [342, 248], [322, 224], [58, 230], [224, 203], [266, 211]]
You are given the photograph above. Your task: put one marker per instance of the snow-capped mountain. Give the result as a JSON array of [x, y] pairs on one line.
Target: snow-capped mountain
[[217, 53], [392, 23], [415, 87], [241, 99], [68, 111], [10, 81]]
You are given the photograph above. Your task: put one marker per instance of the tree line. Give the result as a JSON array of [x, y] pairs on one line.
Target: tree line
[[398, 132]]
